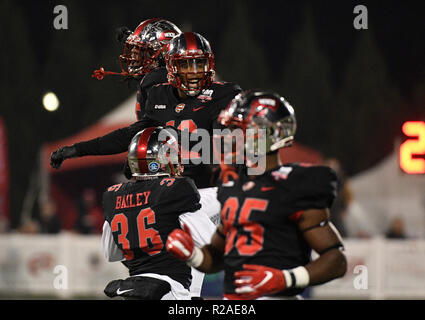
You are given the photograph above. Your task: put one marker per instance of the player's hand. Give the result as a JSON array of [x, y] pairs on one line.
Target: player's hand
[[255, 281], [180, 243], [58, 156]]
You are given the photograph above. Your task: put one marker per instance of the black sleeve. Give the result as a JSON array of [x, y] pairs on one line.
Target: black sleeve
[[313, 188], [180, 197], [223, 102], [154, 77], [112, 143]]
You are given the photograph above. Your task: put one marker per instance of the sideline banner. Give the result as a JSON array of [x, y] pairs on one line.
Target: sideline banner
[[69, 265]]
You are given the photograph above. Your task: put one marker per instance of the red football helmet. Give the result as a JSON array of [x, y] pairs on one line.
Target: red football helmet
[[259, 122], [190, 63], [143, 49], [154, 152]]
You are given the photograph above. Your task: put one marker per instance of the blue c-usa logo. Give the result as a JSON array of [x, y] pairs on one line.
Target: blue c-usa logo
[[153, 166]]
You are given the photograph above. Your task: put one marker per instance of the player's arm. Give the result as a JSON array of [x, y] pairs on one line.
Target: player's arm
[[110, 249], [207, 259], [213, 253], [322, 237], [256, 280], [112, 143]]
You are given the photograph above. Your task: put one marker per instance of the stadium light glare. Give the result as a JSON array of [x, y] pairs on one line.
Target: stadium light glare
[[50, 101]]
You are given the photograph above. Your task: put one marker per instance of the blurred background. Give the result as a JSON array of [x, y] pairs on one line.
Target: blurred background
[[359, 97]]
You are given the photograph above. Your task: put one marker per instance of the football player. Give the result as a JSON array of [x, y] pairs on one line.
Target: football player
[[190, 100], [140, 214], [143, 56], [271, 222]]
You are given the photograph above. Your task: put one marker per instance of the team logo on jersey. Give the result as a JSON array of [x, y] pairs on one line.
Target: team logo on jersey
[[206, 95], [179, 107], [248, 186], [153, 166], [282, 173], [198, 108]]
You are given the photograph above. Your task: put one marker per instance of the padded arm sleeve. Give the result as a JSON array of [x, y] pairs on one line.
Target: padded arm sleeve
[[110, 249]]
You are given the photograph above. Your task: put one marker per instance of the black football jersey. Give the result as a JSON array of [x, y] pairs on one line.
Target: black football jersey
[[258, 216], [156, 76], [142, 214], [164, 108]]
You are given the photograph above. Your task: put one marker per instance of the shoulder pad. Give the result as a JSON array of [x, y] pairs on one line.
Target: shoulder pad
[[114, 188], [310, 186], [178, 194], [153, 78], [222, 89]]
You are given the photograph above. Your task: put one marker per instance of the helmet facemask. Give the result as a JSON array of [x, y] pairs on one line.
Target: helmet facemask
[[190, 63], [267, 122], [144, 49], [139, 58], [191, 73]]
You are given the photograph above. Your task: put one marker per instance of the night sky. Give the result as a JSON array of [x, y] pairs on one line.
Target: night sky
[[398, 27], [62, 60]]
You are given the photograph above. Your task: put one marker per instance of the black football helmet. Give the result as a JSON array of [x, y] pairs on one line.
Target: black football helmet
[[144, 48], [154, 152], [190, 63], [266, 114]]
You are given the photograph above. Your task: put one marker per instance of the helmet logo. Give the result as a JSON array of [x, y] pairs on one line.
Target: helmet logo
[[153, 166], [268, 103], [179, 107], [167, 34]]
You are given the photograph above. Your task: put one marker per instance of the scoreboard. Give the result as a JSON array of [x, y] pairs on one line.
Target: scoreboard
[[412, 151]]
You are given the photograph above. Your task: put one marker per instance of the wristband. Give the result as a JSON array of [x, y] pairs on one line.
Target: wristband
[[297, 277], [196, 258]]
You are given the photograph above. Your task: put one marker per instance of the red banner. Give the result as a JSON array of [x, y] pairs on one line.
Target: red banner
[[4, 174]]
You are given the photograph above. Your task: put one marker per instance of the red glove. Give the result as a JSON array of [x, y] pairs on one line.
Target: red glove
[[180, 243], [255, 281]]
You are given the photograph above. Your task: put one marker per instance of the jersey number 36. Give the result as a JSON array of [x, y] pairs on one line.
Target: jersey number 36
[[149, 238]]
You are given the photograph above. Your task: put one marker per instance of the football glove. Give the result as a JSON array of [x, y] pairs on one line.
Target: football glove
[[180, 244], [255, 281], [58, 156]]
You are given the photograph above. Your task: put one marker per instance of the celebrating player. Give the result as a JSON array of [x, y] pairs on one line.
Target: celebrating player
[[143, 56], [190, 100], [269, 222], [141, 213]]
